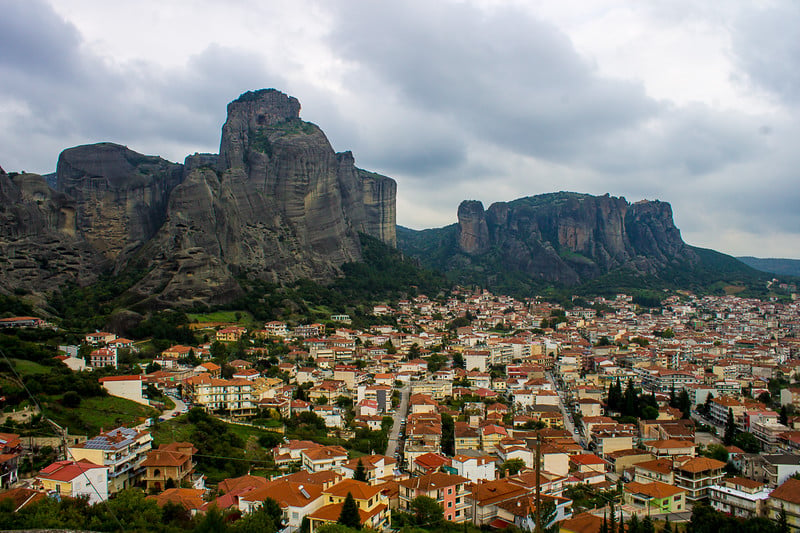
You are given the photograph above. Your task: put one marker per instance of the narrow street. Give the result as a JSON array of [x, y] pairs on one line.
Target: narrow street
[[399, 415], [568, 424]]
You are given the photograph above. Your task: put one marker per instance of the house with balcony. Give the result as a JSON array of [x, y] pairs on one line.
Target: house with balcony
[[486, 497], [740, 497], [296, 499], [122, 450], [449, 490], [10, 450], [373, 505], [171, 461], [696, 476], [233, 396], [655, 497], [321, 458]]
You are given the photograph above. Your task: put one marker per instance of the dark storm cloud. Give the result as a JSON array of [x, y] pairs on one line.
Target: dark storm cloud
[[767, 47], [71, 96], [502, 77]]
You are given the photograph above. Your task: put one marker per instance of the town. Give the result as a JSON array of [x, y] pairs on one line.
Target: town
[[468, 408]]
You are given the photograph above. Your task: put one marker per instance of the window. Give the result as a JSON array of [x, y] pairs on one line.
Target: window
[[449, 504], [450, 490]]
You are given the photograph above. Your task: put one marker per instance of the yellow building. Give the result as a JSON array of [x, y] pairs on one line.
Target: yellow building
[[373, 506], [122, 450], [786, 497], [75, 479]]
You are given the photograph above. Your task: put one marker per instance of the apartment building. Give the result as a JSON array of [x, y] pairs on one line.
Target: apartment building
[[697, 475], [122, 450], [232, 396], [449, 490], [739, 497]]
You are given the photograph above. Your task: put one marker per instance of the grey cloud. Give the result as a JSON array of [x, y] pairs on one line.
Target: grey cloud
[[766, 46], [504, 77], [72, 95]]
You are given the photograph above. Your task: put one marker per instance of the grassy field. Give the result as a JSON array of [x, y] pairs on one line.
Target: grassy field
[[222, 316], [26, 368], [94, 414]]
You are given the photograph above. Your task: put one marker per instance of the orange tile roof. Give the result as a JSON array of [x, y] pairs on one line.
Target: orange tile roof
[[433, 481], [655, 489], [701, 464], [359, 489], [788, 492], [285, 492]]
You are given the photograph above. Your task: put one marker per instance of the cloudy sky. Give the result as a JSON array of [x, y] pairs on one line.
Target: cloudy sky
[[694, 103]]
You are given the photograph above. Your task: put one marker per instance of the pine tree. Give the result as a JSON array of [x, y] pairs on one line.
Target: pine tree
[[783, 522], [667, 526], [604, 525], [360, 473], [730, 429], [621, 522], [647, 526], [612, 521], [633, 524], [629, 407], [349, 516], [784, 416]]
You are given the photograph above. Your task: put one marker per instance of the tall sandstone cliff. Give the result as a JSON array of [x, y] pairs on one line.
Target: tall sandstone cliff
[[277, 203], [566, 238]]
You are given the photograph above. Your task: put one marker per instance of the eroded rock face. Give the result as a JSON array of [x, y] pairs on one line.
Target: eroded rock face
[[120, 196], [569, 237], [40, 249], [277, 203], [473, 233]]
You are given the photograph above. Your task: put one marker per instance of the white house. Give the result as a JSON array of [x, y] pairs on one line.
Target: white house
[[475, 468], [128, 387], [75, 479]]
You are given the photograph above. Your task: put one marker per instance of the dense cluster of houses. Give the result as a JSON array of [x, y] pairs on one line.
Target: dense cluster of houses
[[525, 384]]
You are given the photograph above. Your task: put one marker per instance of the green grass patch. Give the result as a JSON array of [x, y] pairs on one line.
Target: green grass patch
[[222, 316], [29, 368], [97, 413]]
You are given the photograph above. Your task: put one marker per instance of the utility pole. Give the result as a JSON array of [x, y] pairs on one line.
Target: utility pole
[[538, 470]]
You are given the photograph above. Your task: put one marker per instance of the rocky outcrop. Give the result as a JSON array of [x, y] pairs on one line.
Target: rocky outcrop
[[566, 238], [277, 203], [40, 248], [473, 233], [120, 196]]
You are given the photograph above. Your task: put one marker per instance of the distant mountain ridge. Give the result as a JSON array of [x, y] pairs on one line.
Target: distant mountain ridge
[[570, 239], [782, 267]]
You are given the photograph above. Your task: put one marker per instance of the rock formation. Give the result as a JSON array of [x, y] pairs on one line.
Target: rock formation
[[120, 196], [561, 237], [280, 205], [277, 203], [40, 248]]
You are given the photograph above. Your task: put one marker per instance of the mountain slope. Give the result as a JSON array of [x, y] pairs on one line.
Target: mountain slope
[[585, 242], [782, 267]]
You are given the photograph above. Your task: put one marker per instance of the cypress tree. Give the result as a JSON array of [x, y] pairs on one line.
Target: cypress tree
[[633, 524], [349, 516], [647, 526], [730, 429], [360, 473]]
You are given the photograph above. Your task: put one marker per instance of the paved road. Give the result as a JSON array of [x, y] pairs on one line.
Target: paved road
[[568, 425], [166, 415], [400, 414]]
